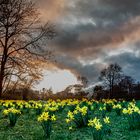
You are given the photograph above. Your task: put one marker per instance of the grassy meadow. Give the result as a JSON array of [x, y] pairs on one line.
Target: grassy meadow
[[70, 120]]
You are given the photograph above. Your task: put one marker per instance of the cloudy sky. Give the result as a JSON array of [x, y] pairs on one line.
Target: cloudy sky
[[94, 33]]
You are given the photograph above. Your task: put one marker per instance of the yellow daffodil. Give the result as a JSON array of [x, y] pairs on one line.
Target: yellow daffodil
[[106, 120], [11, 110], [98, 126]]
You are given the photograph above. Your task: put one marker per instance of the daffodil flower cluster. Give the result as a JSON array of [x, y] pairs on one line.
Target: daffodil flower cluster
[[132, 108], [12, 114], [51, 108], [46, 120], [11, 110], [118, 106], [99, 127], [8, 104], [71, 115], [109, 101], [132, 112], [83, 110], [96, 123], [102, 108], [72, 102], [79, 116], [44, 117]]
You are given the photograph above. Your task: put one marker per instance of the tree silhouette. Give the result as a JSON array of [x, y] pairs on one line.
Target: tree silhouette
[[22, 40], [111, 76]]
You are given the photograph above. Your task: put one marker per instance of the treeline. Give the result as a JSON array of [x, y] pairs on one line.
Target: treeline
[[116, 84], [29, 94]]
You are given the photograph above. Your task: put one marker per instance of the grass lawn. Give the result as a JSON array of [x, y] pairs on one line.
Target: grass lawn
[[28, 128]]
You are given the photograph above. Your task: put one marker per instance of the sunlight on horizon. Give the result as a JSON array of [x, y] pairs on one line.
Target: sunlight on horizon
[[58, 80]]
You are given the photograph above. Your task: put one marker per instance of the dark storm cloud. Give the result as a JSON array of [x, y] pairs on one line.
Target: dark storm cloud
[[109, 19], [110, 10], [129, 62], [91, 72], [91, 29]]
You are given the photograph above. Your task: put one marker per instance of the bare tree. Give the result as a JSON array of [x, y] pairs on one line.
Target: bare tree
[[111, 76], [22, 39]]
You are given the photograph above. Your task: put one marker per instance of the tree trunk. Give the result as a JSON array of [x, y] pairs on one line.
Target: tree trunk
[[112, 92], [2, 71], [3, 62], [1, 81], [109, 93], [1, 88]]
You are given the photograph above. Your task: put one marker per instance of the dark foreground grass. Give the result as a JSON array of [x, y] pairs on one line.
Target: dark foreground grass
[[27, 128]]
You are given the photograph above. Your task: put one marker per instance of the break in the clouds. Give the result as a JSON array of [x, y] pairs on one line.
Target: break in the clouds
[[94, 33]]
